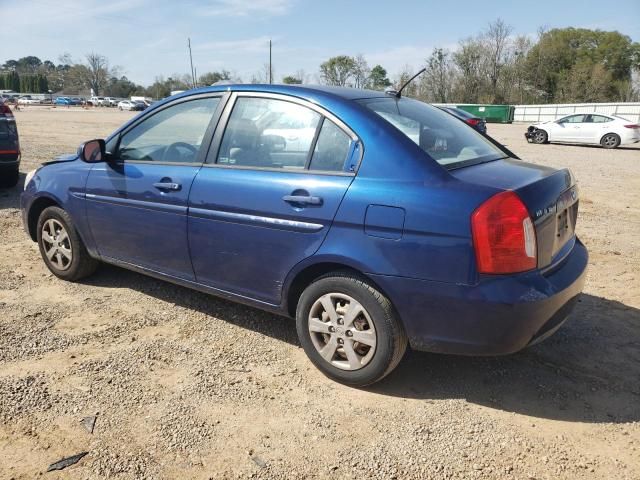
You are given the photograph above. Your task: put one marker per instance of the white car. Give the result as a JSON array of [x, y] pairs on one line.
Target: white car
[[609, 131], [27, 100], [127, 105]]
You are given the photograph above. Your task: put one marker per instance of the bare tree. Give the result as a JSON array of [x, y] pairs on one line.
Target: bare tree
[[98, 72], [438, 80], [496, 43], [361, 72], [468, 59], [403, 77]]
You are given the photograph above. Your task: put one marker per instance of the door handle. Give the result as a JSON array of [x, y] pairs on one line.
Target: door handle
[[167, 186], [302, 200]]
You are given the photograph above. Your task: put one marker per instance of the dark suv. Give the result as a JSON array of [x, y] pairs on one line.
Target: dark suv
[[9, 147]]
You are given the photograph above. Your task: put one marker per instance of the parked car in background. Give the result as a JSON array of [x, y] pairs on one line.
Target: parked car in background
[[95, 101], [63, 101], [110, 102], [9, 147], [28, 100], [477, 123], [370, 235], [141, 104], [610, 131], [129, 105]]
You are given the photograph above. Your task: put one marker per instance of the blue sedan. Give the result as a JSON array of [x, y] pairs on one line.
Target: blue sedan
[[375, 221]]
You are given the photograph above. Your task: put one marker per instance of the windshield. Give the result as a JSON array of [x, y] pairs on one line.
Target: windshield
[[444, 138]]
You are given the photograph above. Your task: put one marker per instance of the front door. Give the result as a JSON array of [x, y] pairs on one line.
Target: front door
[[137, 201], [567, 129], [268, 194]]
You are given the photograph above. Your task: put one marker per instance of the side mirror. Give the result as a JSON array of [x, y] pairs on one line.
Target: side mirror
[[92, 151]]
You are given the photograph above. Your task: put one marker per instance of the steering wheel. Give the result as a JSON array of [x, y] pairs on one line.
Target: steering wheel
[[173, 150]]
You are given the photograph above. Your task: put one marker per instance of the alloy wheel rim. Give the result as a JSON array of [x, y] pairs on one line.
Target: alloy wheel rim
[[609, 140], [57, 244], [342, 331], [539, 136]]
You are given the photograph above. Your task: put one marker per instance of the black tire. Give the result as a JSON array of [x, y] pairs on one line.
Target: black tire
[[81, 264], [9, 178], [610, 140], [390, 337], [540, 137]]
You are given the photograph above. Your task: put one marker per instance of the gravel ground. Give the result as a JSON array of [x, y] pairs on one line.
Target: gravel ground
[[185, 385]]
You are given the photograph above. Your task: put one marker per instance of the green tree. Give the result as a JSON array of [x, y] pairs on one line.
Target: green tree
[[378, 78], [338, 70], [210, 78], [559, 51], [291, 80]]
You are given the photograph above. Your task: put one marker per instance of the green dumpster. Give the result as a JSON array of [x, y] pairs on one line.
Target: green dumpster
[[491, 113]]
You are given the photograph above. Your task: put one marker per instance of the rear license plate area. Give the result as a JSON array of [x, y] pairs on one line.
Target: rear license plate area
[[566, 215]]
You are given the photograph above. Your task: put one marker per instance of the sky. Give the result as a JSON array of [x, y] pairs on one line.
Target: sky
[[148, 38]]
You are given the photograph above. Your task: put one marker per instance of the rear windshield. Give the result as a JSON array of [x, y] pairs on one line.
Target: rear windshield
[[444, 138]]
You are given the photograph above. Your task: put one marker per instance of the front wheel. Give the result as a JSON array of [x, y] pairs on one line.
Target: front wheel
[[610, 140], [349, 330], [540, 136], [61, 247]]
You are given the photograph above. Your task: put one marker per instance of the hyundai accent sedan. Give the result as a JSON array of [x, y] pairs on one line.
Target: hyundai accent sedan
[[394, 224]]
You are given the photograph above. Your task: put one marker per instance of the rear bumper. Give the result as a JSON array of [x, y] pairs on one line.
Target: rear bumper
[[499, 315]]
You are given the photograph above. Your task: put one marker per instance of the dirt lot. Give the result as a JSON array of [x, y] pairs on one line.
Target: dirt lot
[[188, 386]]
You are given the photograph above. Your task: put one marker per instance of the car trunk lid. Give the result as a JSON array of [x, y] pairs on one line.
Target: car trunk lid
[[550, 195]]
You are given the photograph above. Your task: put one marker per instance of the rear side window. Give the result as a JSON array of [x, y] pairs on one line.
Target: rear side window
[[278, 134], [331, 150], [174, 134], [443, 137], [600, 119]]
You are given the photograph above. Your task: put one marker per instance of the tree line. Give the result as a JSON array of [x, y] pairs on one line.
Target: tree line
[[560, 65]]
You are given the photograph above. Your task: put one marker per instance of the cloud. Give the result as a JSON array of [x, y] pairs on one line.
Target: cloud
[[242, 8]]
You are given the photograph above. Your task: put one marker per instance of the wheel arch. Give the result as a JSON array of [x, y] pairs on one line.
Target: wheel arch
[[36, 208], [304, 275], [609, 133]]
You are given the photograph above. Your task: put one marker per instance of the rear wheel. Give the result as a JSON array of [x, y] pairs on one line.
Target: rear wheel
[[61, 247], [540, 136], [610, 140], [349, 330]]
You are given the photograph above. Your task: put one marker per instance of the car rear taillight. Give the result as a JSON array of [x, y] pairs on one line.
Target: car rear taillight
[[632, 125], [5, 110], [473, 121], [504, 238]]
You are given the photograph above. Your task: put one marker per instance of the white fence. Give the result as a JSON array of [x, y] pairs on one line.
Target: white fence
[[543, 113]]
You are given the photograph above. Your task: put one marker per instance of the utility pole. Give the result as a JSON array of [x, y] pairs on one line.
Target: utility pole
[[270, 71], [193, 73]]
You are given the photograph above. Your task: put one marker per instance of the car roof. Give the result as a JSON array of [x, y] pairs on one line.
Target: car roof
[[346, 93]]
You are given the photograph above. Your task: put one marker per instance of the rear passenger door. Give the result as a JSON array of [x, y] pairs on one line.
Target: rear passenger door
[[268, 192]]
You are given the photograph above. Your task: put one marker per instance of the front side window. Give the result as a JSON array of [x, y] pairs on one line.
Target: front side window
[[572, 119], [268, 133], [442, 136], [171, 135]]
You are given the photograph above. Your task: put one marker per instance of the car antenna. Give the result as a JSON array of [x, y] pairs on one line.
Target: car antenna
[[398, 93]]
